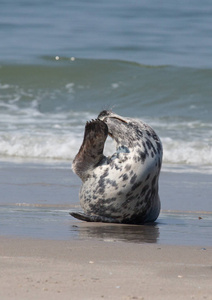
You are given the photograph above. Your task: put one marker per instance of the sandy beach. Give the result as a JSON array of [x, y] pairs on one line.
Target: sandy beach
[[47, 254], [38, 269]]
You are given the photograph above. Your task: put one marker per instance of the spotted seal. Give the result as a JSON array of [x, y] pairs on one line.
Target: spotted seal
[[122, 188]]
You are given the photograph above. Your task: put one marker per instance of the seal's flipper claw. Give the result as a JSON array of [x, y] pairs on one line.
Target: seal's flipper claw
[[96, 127], [89, 218]]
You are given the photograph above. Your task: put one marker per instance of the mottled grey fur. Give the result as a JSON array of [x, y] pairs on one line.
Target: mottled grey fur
[[122, 188]]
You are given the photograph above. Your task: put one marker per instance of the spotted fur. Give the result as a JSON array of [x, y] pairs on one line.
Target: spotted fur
[[122, 188]]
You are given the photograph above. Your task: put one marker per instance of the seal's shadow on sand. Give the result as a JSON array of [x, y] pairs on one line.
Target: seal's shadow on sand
[[117, 232]]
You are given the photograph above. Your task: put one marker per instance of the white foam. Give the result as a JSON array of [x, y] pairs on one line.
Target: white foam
[[187, 152], [69, 87], [60, 144], [43, 146], [115, 85], [4, 86], [26, 132]]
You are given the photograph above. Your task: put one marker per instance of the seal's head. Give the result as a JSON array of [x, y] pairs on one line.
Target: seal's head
[[125, 131], [118, 127]]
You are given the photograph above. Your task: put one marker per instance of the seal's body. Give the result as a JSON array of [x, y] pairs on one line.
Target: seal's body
[[122, 188]]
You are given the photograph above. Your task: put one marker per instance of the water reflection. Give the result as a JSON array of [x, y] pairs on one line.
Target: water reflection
[[175, 228], [117, 232]]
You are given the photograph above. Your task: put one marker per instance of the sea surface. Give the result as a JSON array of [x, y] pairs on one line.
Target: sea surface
[[62, 62]]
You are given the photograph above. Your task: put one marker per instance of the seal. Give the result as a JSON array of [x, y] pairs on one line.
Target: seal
[[122, 188]]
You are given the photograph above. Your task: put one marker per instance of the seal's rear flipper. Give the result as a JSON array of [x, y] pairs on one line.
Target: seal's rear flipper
[[93, 218], [81, 216]]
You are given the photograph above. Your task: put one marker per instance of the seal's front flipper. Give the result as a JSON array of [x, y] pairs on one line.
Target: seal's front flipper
[[91, 151], [92, 218]]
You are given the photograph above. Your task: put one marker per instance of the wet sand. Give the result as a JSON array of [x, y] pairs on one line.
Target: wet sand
[[46, 254], [38, 269], [36, 199]]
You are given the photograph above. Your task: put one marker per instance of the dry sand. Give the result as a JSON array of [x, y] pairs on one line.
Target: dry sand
[[41, 269]]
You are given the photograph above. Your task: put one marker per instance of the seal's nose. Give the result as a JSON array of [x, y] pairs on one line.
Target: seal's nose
[[104, 114]]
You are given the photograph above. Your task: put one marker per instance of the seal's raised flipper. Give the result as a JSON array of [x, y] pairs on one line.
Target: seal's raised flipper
[[93, 218], [91, 151]]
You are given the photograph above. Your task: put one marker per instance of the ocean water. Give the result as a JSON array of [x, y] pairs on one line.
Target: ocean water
[[62, 62]]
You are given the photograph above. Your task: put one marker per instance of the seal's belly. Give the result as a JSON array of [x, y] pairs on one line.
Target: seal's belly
[[122, 188]]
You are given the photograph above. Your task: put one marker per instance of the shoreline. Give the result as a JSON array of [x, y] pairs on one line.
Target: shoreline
[[36, 200], [173, 229], [39, 269], [47, 254]]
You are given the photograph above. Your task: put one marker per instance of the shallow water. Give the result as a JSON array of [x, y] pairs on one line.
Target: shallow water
[[36, 200], [172, 228]]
